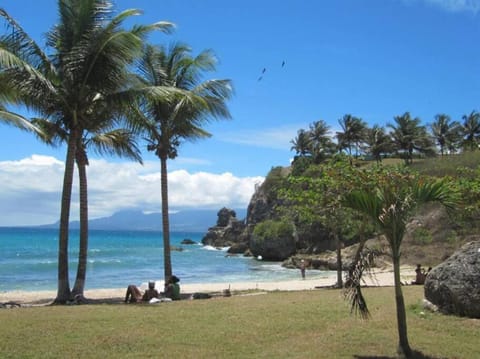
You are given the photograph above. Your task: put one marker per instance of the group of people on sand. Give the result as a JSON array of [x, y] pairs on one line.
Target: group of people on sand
[[421, 274], [172, 292]]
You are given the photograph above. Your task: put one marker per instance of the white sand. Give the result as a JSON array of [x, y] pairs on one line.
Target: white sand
[[382, 277]]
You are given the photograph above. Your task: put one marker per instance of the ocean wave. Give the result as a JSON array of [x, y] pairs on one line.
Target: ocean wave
[[104, 261], [218, 249]]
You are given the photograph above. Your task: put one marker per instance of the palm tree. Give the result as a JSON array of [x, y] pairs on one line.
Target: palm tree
[[90, 53], [446, 133], [167, 123], [321, 145], [471, 131], [390, 207], [377, 142], [353, 133], [301, 143], [409, 136]]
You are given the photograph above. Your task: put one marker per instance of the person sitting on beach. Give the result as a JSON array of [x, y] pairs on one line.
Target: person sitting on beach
[[134, 295], [420, 275], [172, 288]]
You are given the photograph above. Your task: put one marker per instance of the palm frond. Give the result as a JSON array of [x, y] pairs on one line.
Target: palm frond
[[353, 290], [17, 120], [22, 46], [367, 203], [118, 142], [436, 191], [51, 132]]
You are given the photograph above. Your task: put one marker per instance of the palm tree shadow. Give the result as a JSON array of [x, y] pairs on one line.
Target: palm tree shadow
[[416, 355]]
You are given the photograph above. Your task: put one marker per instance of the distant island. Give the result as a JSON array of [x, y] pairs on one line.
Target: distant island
[[135, 220]]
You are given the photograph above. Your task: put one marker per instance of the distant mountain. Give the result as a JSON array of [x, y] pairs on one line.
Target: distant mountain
[[135, 220]]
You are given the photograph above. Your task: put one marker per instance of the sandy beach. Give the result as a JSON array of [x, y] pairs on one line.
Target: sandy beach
[[382, 277]]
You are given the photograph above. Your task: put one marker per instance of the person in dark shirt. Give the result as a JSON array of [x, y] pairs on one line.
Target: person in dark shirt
[[420, 275], [172, 288]]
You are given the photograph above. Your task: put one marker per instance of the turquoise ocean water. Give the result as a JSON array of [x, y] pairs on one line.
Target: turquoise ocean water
[[28, 260]]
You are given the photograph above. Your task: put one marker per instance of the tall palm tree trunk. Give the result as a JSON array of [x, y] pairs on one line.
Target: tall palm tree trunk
[[339, 261], [79, 286], [403, 345], [63, 292], [165, 219]]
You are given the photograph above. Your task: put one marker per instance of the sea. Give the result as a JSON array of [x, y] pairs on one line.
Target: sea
[[29, 258]]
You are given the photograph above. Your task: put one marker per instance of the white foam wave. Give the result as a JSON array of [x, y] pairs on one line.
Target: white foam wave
[[212, 248]]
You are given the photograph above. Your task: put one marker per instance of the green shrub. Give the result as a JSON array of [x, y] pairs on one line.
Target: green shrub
[[272, 229], [422, 236]]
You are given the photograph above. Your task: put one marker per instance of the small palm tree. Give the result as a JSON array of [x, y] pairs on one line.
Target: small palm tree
[[390, 207], [167, 122]]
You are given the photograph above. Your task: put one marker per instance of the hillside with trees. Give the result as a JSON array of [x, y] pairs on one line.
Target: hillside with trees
[[310, 193]]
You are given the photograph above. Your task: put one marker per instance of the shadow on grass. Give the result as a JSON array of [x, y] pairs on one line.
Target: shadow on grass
[[416, 355]]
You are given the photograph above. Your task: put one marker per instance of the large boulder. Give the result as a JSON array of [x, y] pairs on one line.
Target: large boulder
[[454, 285], [273, 249], [273, 241]]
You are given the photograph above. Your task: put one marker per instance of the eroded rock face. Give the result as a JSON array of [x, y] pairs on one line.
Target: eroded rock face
[[454, 285]]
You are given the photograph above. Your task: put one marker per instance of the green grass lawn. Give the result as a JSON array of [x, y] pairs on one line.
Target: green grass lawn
[[308, 324]]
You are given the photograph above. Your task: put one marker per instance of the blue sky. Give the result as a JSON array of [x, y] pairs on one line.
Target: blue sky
[[374, 59]]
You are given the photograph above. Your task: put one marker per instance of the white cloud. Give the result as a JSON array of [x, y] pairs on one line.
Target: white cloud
[[31, 189], [457, 5], [275, 138], [472, 6]]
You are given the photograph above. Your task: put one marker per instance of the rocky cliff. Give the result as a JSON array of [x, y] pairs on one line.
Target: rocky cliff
[[431, 236], [228, 232]]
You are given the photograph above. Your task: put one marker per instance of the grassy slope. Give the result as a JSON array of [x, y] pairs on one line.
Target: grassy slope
[[314, 324]]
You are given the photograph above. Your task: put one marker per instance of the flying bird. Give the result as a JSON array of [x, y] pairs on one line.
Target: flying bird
[[263, 71], [283, 63], [260, 78]]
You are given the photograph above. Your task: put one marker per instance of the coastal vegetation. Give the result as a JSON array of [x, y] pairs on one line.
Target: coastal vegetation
[[276, 324]]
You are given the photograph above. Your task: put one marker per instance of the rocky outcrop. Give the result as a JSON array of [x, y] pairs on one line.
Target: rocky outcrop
[[229, 231], [260, 207], [454, 285], [188, 241]]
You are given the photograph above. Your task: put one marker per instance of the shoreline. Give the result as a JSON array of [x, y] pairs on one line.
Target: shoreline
[[381, 277]]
